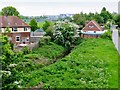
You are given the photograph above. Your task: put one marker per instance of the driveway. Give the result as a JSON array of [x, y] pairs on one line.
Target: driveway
[[116, 39]]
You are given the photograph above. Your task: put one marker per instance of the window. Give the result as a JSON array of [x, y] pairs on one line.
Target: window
[[25, 29], [27, 39], [91, 26], [17, 38], [14, 29]]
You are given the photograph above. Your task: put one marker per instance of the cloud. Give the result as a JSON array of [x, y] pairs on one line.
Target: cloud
[[51, 8]]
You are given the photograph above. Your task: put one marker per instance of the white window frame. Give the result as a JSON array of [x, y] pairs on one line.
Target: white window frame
[[91, 26], [25, 29], [15, 29], [16, 39], [27, 39]]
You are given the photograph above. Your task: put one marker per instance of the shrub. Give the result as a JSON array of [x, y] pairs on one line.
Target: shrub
[[107, 35], [25, 50], [44, 41], [119, 32]]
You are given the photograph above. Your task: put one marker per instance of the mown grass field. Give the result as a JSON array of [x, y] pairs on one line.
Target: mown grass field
[[40, 24], [92, 64]]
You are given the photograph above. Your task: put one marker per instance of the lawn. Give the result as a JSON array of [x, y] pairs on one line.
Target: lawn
[[40, 24], [92, 64]]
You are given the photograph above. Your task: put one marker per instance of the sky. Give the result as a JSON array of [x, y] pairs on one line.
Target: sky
[[56, 7]]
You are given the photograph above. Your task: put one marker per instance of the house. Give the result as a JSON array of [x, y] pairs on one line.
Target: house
[[92, 30], [19, 30], [36, 35]]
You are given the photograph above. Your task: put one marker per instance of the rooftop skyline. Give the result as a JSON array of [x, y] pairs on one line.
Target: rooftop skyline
[[55, 7]]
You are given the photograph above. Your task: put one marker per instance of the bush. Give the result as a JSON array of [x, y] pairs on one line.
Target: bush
[[107, 35], [44, 41], [25, 50], [119, 32]]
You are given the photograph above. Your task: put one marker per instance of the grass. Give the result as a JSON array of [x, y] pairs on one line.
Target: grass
[[92, 64], [49, 51], [39, 57], [40, 24]]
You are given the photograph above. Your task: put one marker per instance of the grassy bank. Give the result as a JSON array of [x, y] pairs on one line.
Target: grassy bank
[[39, 57], [92, 64]]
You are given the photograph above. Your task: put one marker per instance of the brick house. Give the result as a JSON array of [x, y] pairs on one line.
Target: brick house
[[19, 30], [92, 30]]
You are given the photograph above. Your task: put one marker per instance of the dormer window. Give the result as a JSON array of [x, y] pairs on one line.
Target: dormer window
[[14, 29], [91, 26]]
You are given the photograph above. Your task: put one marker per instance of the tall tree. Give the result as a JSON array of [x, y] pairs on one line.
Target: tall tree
[[46, 25], [105, 14], [10, 11], [64, 34], [79, 19], [33, 25]]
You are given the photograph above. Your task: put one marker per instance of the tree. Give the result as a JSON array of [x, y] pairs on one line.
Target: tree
[[49, 31], [7, 30], [64, 34], [117, 20], [10, 11], [105, 14], [46, 25], [33, 25], [98, 18], [79, 19]]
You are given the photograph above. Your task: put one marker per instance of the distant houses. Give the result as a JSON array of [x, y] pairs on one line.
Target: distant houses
[[19, 30], [92, 30]]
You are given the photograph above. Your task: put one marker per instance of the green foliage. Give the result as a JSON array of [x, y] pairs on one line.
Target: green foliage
[[8, 72], [46, 25], [117, 20], [10, 11], [88, 66], [119, 32], [50, 51], [107, 35], [33, 24], [7, 31], [105, 14], [64, 34], [25, 50], [44, 41], [49, 31], [79, 19]]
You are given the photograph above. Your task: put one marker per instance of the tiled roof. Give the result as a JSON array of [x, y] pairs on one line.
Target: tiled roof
[[97, 24], [12, 21], [93, 22]]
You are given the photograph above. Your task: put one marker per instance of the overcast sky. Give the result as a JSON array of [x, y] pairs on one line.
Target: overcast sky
[[55, 7]]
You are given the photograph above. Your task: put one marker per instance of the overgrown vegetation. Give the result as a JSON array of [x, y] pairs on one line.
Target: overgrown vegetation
[[92, 64], [107, 35], [64, 34]]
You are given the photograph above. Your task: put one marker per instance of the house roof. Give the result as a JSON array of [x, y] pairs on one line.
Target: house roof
[[12, 21], [95, 23]]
